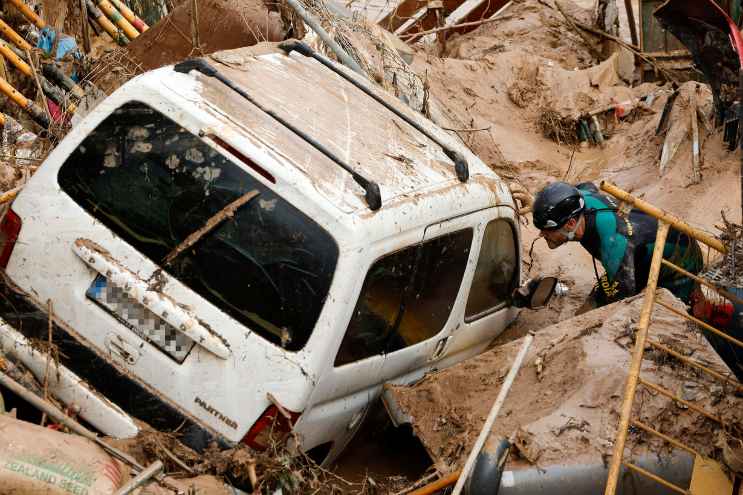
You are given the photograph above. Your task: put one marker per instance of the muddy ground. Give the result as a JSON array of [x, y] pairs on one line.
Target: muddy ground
[[511, 90], [511, 86]]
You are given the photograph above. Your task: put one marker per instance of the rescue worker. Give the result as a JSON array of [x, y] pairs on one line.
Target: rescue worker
[[622, 241]]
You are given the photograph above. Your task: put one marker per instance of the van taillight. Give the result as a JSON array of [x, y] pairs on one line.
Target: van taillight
[[271, 428], [10, 226]]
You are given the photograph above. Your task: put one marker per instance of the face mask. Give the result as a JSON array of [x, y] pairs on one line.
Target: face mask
[[569, 234]]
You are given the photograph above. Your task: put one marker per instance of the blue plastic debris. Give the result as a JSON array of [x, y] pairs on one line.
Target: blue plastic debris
[[65, 45]]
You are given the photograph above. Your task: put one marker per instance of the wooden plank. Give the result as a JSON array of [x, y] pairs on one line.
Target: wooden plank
[[631, 20], [696, 172], [478, 9], [654, 38], [397, 15]]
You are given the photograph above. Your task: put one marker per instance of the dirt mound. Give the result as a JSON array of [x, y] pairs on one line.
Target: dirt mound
[[223, 25], [564, 403], [534, 26]]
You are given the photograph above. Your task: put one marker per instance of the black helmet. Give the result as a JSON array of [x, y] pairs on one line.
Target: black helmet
[[556, 204]]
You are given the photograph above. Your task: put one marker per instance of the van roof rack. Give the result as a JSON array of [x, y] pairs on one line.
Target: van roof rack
[[373, 196], [460, 163]]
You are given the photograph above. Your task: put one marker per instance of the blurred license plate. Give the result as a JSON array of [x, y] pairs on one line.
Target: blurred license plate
[[139, 319]]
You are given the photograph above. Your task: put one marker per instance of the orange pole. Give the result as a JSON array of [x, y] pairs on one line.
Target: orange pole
[[10, 33], [29, 14], [437, 485], [29, 106], [14, 59]]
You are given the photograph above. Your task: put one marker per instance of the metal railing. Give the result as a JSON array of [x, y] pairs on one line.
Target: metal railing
[[665, 222]]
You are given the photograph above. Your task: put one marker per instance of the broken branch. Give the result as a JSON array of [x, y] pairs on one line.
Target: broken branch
[[468, 129], [215, 220]]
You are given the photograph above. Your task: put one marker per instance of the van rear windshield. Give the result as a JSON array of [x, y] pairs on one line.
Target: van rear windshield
[[154, 183]]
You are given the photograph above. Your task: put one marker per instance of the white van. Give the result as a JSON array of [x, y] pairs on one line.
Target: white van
[[362, 245]]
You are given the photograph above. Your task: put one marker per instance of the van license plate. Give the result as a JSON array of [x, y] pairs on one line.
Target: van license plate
[[140, 320]]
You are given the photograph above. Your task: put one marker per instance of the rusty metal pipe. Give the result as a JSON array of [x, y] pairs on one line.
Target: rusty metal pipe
[[634, 372], [674, 221]]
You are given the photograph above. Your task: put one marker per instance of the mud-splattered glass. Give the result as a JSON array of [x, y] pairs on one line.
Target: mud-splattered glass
[[154, 183], [406, 297], [496, 272]]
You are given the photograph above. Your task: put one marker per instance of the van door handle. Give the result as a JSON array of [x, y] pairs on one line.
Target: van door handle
[[440, 348], [163, 306]]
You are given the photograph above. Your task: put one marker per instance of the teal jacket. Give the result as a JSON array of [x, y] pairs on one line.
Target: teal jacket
[[624, 244]]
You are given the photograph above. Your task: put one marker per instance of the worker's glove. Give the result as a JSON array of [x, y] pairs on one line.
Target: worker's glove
[[522, 195], [521, 296]]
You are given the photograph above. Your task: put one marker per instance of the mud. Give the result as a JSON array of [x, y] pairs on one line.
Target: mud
[[564, 404], [222, 25]]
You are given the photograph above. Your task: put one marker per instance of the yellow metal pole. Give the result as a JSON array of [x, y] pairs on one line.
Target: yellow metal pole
[[656, 478], [676, 398], [29, 14], [668, 439], [14, 59], [14, 37], [727, 295], [702, 324], [118, 19], [438, 484], [130, 16], [634, 371], [675, 222], [695, 364]]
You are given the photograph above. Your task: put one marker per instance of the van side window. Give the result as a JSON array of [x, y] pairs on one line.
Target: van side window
[[496, 272], [154, 183], [407, 297]]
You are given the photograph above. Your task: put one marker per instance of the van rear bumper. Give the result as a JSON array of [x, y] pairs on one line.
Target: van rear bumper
[[109, 398]]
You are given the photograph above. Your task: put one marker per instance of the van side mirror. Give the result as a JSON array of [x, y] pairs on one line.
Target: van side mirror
[[543, 292], [535, 293]]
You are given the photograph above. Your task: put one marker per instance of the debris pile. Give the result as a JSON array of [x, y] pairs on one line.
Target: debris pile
[[533, 92], [564, 404]]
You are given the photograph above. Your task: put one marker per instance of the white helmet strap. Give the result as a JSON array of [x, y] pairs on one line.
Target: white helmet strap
[[570, 234]]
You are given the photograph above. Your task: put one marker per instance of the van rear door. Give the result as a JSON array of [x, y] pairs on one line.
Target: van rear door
[[177, 266]]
